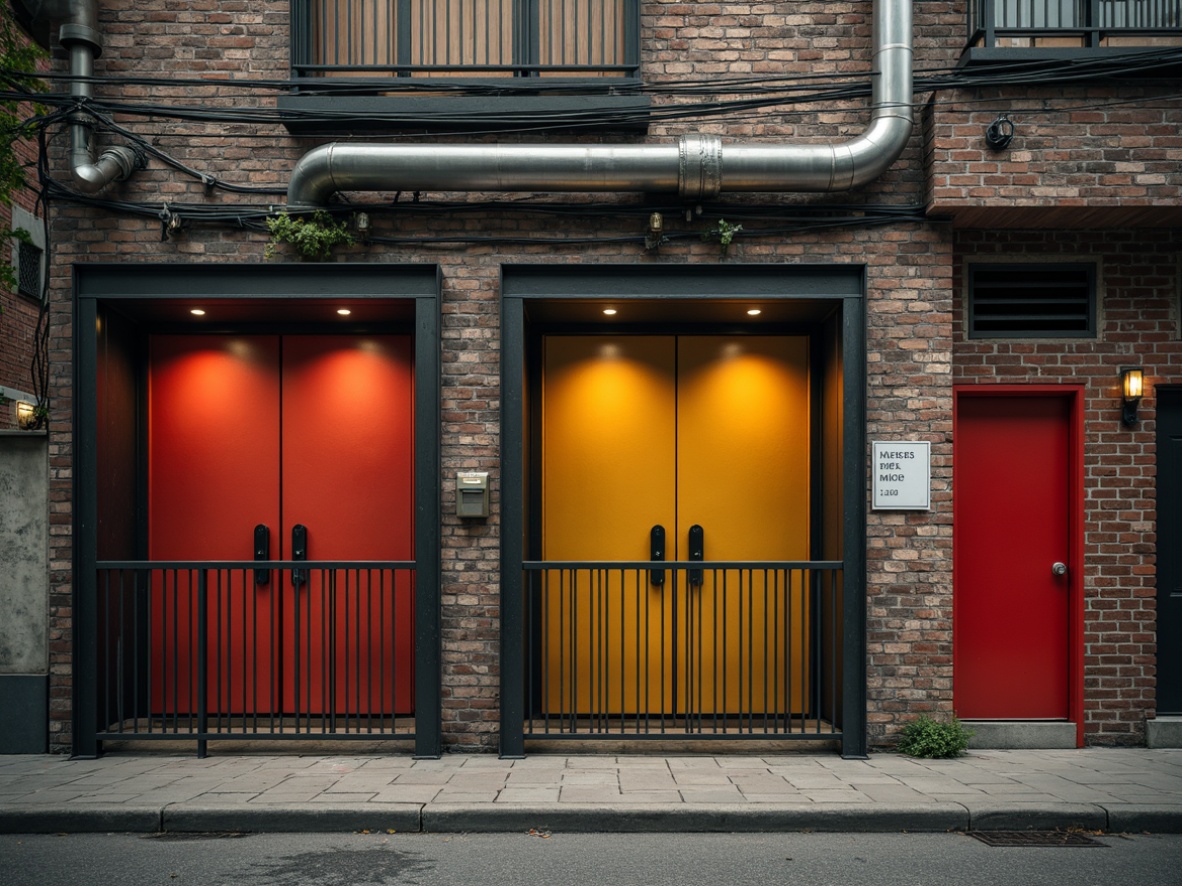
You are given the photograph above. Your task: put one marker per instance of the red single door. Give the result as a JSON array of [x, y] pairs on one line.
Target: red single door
[[309, 431], [1011, 482], [213, 475], [347, 466]]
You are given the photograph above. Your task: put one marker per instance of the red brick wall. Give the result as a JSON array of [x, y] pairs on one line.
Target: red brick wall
[[18, 313], [1077, 158], [1138, 324], [912, 360]]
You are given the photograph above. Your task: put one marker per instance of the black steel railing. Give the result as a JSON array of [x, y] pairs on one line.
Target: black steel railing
[[379, 39], [686, 649], [255, 650], [1085, 23]]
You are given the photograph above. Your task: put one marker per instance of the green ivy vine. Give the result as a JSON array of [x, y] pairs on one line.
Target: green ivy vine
[[313, 237]]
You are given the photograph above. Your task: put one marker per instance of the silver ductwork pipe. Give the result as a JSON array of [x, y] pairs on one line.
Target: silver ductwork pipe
[[78, 34], [697, 167]]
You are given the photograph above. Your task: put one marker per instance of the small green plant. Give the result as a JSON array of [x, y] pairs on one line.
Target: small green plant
[[930, 738], [314, 237], [725, 232]]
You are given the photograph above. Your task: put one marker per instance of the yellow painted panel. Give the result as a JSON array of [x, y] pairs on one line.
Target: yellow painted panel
[[608, 476], [647, 430], [743, 475]]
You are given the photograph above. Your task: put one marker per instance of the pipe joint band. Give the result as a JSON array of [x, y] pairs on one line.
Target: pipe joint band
[[699, 172], [70, 34]]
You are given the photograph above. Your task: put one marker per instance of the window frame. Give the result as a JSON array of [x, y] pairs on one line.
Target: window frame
[[525, 66], [986, 40]]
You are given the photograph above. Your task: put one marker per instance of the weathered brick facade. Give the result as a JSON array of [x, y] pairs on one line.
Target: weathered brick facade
[[1093, 174]]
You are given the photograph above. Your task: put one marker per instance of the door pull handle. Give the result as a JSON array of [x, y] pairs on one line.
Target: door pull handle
[[656, 553], [262, 551], [697, 552], [299, 551]]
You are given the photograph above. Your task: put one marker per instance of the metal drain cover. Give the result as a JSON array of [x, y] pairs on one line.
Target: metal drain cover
[[1034, 838]]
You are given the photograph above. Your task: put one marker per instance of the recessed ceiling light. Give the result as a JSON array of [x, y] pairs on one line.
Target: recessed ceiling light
[[344, 312], [611, 312], [753, 312], [197, 312]]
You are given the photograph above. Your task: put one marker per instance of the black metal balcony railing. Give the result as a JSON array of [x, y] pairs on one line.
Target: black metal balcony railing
[[244, 650], [1067, 23], [379, 39], [684, 650]]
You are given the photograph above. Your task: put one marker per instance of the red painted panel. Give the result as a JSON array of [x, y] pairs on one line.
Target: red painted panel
[[1012, 462], [213, 455], [312, 430], [348, 472]]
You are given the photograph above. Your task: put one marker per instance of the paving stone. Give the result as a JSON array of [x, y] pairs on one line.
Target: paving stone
[[583, 793], [528, 795]]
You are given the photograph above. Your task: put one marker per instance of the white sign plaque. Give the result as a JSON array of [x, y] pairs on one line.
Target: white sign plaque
[[902, 474]]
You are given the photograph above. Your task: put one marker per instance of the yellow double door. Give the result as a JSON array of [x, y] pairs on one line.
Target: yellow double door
[[702, 433]]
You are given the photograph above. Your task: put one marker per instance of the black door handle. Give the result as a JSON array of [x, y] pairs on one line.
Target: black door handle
[[299, 551], [697, 552], [262, 551], [656, 553]]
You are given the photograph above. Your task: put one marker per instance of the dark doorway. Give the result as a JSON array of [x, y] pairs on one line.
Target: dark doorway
[[1169, 551]]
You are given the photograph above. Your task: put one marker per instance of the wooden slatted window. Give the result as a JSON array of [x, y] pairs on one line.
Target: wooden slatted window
[[1032, 300], [585, 38]]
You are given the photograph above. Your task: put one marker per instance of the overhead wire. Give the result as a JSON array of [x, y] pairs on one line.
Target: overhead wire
[[765, 92]]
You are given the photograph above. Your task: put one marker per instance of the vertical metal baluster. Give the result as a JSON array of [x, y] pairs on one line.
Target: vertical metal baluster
[[380, 700], [135, 647], [644, 652], [202, 661], [769, 652], [328, 634], [353, 593], [275, 664], [296, 687], [790, 625], [150, 670], [832, 577]]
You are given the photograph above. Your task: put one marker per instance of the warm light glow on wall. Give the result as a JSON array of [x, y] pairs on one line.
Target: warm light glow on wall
[[24, 414], [1132, 388]]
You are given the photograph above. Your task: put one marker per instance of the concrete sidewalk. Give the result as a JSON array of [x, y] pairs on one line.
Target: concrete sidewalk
[[1096, 789]]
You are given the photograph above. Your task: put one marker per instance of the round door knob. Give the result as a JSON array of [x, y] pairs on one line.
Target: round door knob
[[1059, 569]]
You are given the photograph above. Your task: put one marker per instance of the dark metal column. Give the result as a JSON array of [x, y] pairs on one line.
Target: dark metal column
[[428, 705], [85, 641], [512, 530], [853, 692]]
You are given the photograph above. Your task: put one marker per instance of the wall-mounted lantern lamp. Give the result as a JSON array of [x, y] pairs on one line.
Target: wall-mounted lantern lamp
[[26, 415], [1132, 386]]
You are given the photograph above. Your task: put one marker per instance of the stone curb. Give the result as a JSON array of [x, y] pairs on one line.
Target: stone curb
[[292, 818], [1018, 816], [590, 818], [79, 820], [1137, 817], [692, 818]]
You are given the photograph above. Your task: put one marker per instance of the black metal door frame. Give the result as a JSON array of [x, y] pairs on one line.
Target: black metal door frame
[[256, 297], [677, 292], [1169, 552]]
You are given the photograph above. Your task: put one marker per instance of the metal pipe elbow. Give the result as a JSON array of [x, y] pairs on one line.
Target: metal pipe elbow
[[311, 183], [114, 164]]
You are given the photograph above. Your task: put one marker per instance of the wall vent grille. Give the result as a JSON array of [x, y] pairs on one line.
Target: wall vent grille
[[1032, 301]]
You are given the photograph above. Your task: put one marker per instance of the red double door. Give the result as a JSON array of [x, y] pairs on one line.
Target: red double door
[[282, 432]]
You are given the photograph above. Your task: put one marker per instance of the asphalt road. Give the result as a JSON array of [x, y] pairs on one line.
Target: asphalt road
[[600, 859]]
